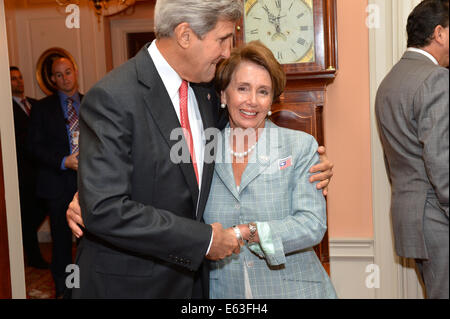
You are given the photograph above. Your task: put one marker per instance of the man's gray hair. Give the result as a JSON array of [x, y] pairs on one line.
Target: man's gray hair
[[202, 15]]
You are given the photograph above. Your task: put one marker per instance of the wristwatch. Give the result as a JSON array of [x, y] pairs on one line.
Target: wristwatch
[[252, 227]]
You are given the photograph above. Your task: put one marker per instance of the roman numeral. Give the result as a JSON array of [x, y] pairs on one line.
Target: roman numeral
[[300, 15], [301, 41], [304, 28], [255, 31], [280, 55], [291, 5], [278, 3]]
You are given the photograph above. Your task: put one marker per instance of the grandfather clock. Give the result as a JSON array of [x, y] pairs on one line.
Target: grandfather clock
[[302, 36]]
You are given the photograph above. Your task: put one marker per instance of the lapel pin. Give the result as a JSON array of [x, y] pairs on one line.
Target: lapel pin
[[209, 97], [285, 162]]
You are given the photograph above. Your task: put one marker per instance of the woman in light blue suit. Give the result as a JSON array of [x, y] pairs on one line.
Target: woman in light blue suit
[[261, 185]]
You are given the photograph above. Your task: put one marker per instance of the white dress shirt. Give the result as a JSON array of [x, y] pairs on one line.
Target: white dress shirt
[[172, 82], [425, 53]]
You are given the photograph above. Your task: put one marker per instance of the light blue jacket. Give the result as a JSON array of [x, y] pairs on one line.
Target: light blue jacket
[[290, 213]]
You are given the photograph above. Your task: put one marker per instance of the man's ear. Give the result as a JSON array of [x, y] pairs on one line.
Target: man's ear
[[183, 34], [440, 35]]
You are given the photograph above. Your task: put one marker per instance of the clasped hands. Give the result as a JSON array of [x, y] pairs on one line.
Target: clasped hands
[[225, 241]]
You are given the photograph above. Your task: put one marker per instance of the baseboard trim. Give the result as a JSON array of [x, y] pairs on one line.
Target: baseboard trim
[[349, 261], [351, 247]]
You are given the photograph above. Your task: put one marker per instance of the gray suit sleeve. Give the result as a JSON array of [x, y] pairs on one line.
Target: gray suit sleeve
[[431, 108]]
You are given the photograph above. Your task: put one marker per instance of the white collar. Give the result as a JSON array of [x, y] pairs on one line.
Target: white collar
[[171, 79], [425, 53]]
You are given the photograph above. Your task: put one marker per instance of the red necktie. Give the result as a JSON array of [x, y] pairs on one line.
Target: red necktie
[[27, 106], [72, 117], [184, 119]]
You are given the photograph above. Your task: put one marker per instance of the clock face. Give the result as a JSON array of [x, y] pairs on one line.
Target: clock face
[[286, 27]]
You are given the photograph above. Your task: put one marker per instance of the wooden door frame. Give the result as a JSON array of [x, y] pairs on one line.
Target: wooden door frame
[[11, 240], [5, 271]]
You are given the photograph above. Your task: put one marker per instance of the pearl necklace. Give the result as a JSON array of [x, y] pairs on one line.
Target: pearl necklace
[[240, 155]]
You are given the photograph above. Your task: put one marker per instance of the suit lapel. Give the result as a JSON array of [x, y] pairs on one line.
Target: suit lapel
[[266, 153], [161, 109], [223, 167], [204, 101], [205, 106], [19, 113]]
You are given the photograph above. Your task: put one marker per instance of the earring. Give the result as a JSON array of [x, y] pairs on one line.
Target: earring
[[269, 113], [223, 105]]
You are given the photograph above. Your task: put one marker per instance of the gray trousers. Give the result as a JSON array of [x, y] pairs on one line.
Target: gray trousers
[[435, 269]]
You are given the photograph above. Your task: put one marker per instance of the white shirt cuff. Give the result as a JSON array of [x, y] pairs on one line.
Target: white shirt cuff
[[210, 242]]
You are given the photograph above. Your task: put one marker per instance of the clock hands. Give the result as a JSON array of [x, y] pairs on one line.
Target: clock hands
[[271, 17], [286, 27], [275, 20]]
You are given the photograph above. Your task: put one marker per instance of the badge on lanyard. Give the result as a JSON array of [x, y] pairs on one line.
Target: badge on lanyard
[[75, 137]]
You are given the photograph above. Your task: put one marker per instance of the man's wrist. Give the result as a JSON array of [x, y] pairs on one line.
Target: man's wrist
[[63, 163]]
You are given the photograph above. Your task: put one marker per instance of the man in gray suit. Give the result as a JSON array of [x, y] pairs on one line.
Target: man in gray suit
[[412, 109]]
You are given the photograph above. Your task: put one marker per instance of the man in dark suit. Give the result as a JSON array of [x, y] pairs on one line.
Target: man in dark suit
[[54, 133], [412, 108], [144, 235], [32, 212]]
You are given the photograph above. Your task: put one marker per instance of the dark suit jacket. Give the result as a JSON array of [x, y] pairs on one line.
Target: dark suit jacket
[[25, 166], [145, 237], [48, 143]]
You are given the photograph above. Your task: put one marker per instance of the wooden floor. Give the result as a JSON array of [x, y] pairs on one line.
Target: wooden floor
[[39, 282]]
